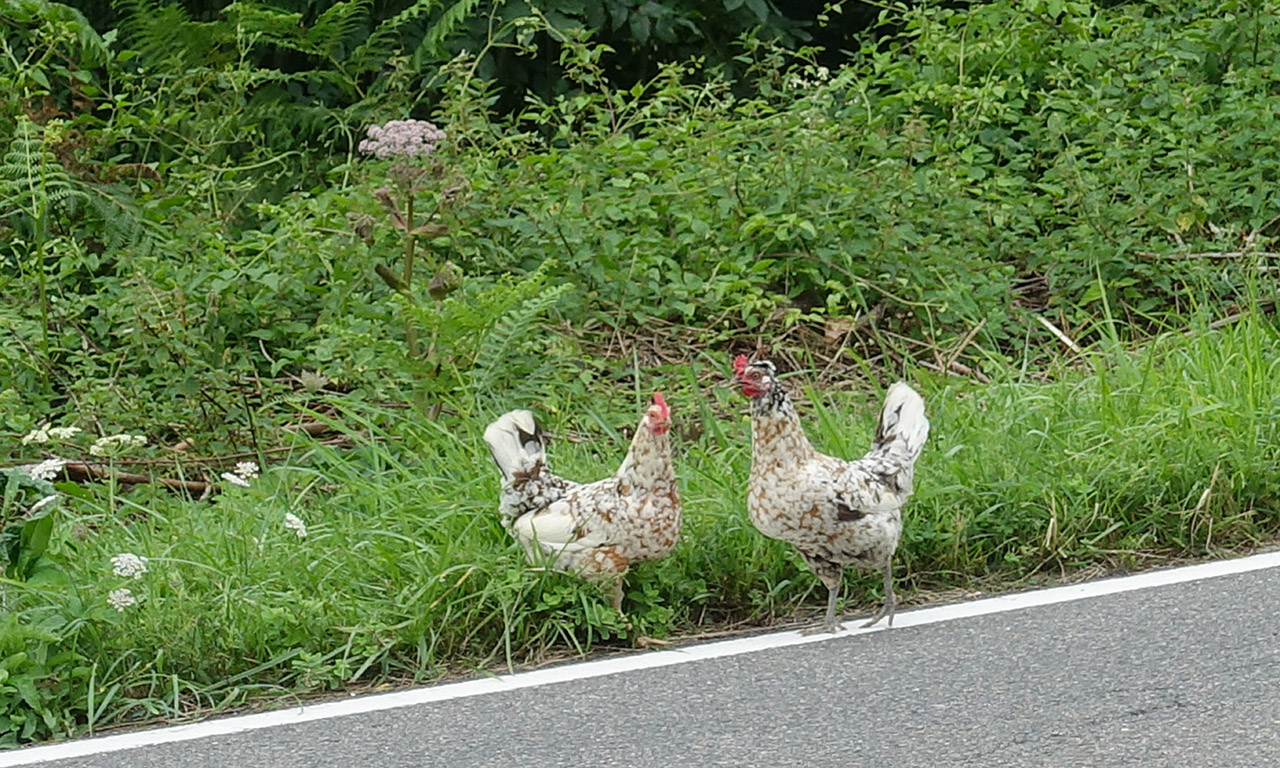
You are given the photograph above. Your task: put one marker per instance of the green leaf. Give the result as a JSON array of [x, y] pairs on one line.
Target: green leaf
[[27, 690], [760, 8], [640, 27]]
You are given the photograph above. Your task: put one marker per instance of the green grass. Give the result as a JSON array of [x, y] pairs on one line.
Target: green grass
[[405, 575]]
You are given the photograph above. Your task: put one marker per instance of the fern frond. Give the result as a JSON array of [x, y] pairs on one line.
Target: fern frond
[[432, 46], [338, 24], [265, 24], [508, 341], [382, 42], [168, 33], [32, 181], [120, 222]]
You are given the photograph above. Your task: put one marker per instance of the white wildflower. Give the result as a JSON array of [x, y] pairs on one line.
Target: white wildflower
[[235, 479], [246, 469], [41, 504], [121, 598], [115, 445], [40, 435], [128, 565], [295, 524], [47, 469], [46, 433]]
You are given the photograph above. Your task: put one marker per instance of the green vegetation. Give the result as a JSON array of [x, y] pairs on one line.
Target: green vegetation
[[1057, 219]]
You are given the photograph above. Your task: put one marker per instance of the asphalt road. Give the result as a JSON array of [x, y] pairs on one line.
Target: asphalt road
[[1179, 675]]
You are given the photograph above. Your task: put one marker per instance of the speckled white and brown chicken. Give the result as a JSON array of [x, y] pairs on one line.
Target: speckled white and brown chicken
[[834, 512], [596, 530]]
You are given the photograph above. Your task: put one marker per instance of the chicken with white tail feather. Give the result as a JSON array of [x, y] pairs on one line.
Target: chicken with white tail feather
[[596, 530], [834, 512]]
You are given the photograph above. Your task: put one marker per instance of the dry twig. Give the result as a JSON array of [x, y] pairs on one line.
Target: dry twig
[[1057, 332]]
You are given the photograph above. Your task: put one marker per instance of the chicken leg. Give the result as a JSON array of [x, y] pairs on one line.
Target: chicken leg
[[615, 599], [887, 609], [830, 574], [829, 623]]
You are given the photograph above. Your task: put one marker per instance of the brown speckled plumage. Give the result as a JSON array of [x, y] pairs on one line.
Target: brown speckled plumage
[[834, 512], [596, 530]]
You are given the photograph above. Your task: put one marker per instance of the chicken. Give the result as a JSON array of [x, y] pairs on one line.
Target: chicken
[[596, 530], [834, 512]]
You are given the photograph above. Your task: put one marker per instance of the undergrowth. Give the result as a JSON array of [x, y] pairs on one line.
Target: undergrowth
[[1122, 458]]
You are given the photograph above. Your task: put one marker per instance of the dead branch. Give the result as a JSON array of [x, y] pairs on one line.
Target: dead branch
[[1209, 255], [312, 428], [965, 370], [1265, 305], [956, 369], [1254, 234], [227, 458], [80, 472]]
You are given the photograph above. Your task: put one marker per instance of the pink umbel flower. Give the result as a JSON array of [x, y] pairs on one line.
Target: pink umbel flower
[[402, 138]]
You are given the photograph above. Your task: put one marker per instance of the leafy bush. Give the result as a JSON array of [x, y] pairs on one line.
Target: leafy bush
[[924, 189], [959, 182], [41, 682]]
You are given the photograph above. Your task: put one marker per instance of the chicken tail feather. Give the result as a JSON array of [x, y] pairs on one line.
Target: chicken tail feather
[[517, 443], [902, 428]]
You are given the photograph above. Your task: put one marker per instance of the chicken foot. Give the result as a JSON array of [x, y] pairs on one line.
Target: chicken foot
[[832, 624]]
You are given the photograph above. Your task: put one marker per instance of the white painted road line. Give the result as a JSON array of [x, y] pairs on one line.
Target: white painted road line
[[590, 669]]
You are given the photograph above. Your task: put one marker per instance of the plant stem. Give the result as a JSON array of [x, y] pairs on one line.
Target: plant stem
[[42, 282], [1257, 31], [410, 332], [41, 216]]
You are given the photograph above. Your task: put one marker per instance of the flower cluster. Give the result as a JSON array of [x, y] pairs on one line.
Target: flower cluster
[[47, 469], [116, 445], [295, 524], [46, 433], [799, 81], [402, 138], [126, 565], [121, 598], [247, 469], [242, 474], [129, 565]]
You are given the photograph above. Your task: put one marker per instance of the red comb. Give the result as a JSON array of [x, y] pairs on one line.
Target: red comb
[[661, 402], [739, 364]]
